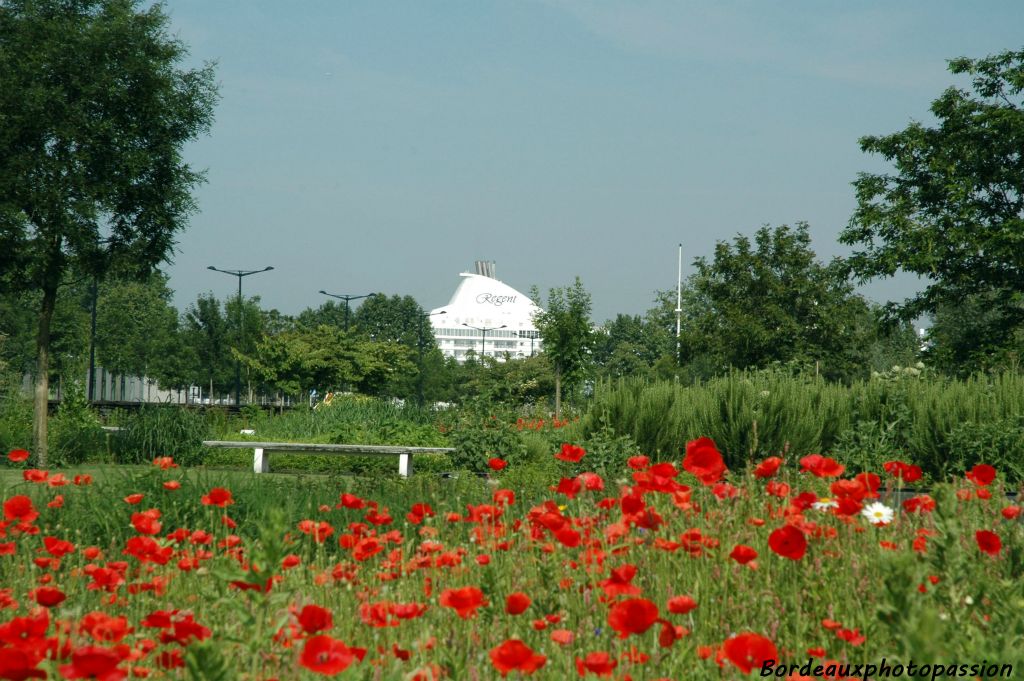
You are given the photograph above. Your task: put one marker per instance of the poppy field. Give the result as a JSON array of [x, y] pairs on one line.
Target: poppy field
[[663, 570]]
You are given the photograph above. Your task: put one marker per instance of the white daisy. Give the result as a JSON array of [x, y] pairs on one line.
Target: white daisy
[[824, 504], [878, 514]]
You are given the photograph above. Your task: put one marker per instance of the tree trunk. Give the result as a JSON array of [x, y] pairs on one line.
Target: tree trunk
[[558, 392], [42, 391]]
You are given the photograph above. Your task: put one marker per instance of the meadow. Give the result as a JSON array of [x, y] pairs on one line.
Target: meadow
[[672, 568]]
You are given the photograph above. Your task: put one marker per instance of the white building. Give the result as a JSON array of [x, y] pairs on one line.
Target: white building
[[486, 313]]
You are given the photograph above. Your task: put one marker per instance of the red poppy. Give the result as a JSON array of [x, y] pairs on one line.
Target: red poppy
[[48, 596], [514, 655], [517, 603], [147, 522], [777, 489], [218, 496], [1011, 512], [464, 601], [988, 542], [768, 467], [325, 655], [58, 548], [680, 605], [620, 582], [639, 462], [748, 651], [982, 474], [743, 554], [133, 499], [93, 662], [164, 463], [562, 637], [632, 616], [352, 501], [788, 542], [704, 461], [904, 471], [600, 664], [312, 618], [172, 485], [496, 464], [17, 455], [821, 466], [20, 664], [20, 508], [922, 503], [570, 453]]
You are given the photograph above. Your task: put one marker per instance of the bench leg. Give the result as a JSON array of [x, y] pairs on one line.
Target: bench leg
[[260, 461], [405, 465]]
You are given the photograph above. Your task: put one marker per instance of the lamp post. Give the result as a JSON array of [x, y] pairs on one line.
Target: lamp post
[[419, 342], [346, 299], [241, 323], [483, 334]]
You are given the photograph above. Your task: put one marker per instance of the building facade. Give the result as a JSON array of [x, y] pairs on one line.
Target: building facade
[[486, 316]]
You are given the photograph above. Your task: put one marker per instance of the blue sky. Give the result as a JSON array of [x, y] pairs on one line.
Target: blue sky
[[385, 146]]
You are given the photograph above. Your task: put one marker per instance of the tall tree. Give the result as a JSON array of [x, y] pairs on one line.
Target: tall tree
[[205, 330], [565, 328], [136, 324], [769, 300], [94, 112], [952, 210]]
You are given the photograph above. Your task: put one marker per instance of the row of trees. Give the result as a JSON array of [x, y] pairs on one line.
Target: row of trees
[[96, 108]]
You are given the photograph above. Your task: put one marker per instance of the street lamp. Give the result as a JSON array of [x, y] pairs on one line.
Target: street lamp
[[419, 342], [483, 334], [346, 299], [241, 323]]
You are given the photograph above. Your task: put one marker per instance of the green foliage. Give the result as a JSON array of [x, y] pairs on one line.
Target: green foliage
[[952, 209], [162, 430], [478, 437], [768, 300], [15, 415], [607, 451], [77, 432], [564, 326], [903, 414]]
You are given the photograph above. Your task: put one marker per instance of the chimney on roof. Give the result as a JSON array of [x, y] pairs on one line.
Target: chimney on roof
[[485, 268]]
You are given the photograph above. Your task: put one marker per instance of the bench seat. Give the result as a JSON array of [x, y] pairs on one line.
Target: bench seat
[[261, 450]]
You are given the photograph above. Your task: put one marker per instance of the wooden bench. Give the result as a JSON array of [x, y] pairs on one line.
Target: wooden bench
[[261, 450]]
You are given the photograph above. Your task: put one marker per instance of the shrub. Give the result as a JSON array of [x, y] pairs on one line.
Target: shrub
[[162, 430]]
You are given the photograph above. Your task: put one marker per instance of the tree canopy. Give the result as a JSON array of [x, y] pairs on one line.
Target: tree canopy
[[94, 112], [952, 209]]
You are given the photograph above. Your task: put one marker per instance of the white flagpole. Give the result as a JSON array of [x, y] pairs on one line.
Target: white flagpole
[[679, 302]]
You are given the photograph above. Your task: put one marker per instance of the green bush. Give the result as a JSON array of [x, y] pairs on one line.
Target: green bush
[[15, 415], [75, 433], [162, 430]]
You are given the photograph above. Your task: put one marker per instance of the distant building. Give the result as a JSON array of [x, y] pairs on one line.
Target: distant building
[[485, 310]]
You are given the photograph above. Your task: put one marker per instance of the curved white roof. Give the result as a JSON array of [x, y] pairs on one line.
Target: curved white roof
[[482, 301]]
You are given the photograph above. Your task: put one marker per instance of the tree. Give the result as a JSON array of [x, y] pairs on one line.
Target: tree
[[136, 325], [769, 300], [395, 319], [94, 112], [565, 328], [952, 211], [630, 346], [206, 332]]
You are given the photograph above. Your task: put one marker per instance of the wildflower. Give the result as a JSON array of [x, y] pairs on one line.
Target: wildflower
[[570, 453], [632, 616], [988, 542], [325, 655], [878, 514], [825, 504], [514, 655], [218, 496], [464, 601], [749, 650], [704, 461], [788, 542]]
